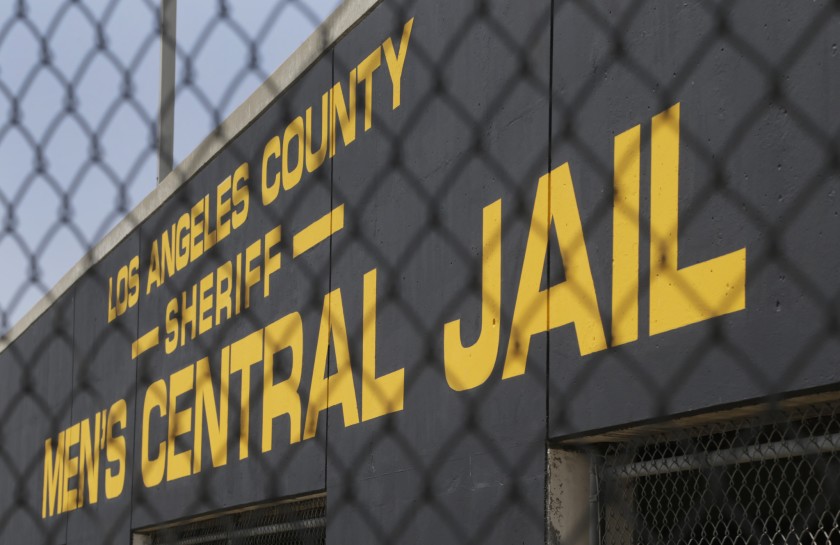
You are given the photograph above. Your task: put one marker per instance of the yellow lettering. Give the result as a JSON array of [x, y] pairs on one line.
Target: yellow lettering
[[115, 449], [122, 291], [396, 61], [679, 297], [344, 111], [252, 274], [570, 301], [180, 423], [89, 457], [189, 314], [196, 230], [155, 271], [205, 403], [241, 197], [270, 188], [243, 354], [365, 72], [168, 250], [71, 468], [338, 389], [112, 307], [385, 394], [182, 258], [171, 342], [314, 159], [209, 234], [152, 469], [223, 209], [283, 397], [205, 304], [625, 281], [272, 262], [224, 277], [133, 281], [291, 177], [51, 500], [470, 366]]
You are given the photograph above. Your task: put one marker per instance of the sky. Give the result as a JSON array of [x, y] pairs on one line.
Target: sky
[[79, 90]]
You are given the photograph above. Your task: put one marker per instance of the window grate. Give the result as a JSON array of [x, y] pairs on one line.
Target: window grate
[[301, 522], [765, 479]]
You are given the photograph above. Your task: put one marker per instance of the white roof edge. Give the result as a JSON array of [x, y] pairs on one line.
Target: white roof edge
[[344, 18]]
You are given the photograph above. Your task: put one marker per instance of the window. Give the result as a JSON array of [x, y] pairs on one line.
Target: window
[[749, 476], [299, 522]]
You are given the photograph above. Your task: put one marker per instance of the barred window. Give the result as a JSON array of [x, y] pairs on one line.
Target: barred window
[[300, 522], [773, 477]]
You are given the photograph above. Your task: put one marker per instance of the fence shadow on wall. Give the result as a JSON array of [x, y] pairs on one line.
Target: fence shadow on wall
[[464, 237]]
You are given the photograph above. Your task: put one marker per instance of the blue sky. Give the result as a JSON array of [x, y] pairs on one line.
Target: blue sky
[[36, 192]]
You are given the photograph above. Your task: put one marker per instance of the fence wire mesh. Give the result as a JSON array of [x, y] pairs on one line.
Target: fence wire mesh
[[771, 478], [301, 522], [442, 307], [80, 91]]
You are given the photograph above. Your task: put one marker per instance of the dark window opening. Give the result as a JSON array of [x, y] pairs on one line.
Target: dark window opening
[[768, 478], [299, 522]]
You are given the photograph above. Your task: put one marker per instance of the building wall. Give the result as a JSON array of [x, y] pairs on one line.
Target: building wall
[[571, 217]]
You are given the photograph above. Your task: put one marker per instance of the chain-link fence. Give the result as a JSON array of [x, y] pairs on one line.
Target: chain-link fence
[[301, 522], [441, 238], [770, 478], [80, 92]]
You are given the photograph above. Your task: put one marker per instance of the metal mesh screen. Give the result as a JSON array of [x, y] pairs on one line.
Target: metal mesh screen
[[300, 522], [773, 478]]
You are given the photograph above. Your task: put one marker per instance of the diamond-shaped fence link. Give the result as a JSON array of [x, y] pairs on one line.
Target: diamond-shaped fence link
[[443, 239], [770, 478]]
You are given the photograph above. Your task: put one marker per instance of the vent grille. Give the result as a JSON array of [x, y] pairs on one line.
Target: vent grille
[[772, 478], [301, 522]]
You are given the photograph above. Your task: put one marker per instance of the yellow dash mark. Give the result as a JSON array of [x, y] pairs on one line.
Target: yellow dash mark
[[146, 342], [319, 231]]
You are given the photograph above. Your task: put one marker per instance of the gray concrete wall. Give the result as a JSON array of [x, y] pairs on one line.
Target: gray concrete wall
[[439, 212]]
